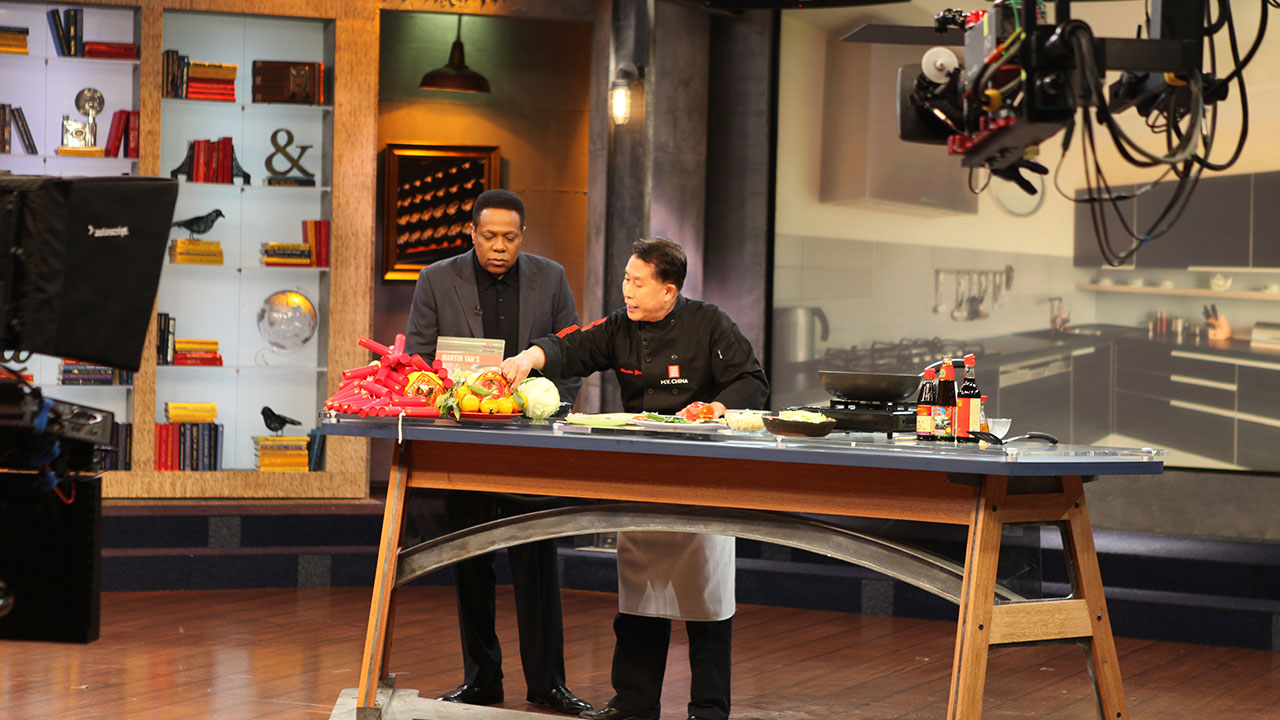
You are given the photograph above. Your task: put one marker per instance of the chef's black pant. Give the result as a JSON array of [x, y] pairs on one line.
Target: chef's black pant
[[535, 576], [640, 660]]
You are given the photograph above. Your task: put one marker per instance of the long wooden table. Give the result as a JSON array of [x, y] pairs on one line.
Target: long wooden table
[[980, 488]]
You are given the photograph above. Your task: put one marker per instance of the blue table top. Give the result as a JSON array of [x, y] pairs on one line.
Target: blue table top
[[1023, 458]]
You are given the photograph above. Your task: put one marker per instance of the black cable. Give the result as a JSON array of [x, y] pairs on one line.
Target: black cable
[[1224, 9], [1257, 41], [1244, 99]]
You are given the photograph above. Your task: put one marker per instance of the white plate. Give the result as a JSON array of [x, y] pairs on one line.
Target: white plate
[[680, 427]]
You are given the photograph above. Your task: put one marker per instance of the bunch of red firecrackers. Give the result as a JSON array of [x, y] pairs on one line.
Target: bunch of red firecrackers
[[396, 384]]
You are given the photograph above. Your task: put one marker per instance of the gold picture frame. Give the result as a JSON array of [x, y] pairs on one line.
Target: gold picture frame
[[429, 191]]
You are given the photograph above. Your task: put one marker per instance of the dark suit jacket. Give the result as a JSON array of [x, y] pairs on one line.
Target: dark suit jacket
[[446, 301]]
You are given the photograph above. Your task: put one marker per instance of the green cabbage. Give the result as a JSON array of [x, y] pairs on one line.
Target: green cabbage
[[541, 398]]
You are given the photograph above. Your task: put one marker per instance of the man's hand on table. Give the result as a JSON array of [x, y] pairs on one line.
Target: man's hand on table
[[517, 367]]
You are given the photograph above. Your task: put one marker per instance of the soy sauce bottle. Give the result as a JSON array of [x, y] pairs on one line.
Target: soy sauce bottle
[[944, 409], [924, 406], [968, 403]]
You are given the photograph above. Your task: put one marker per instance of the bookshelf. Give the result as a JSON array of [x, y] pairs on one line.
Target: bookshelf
[[223, 302], [345, 193], [44, 84]]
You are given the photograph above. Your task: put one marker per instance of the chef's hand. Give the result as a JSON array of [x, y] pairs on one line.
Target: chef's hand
[[516, 368], [702, 411]]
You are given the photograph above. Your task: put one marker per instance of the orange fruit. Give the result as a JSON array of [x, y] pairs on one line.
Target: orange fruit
[[506, 406], [488, 405], [461, 391], [469, 403]]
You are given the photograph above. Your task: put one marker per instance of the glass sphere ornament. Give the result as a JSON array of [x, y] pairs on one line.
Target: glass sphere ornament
[[287, 320]]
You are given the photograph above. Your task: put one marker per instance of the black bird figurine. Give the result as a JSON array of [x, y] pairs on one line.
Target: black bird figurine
[[274, 421], [199, 224]]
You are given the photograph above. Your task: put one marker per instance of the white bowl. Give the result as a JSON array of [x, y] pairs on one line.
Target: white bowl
[[999, 426]]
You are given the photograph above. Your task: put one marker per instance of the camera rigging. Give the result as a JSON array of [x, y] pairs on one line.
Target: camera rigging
[[1024, 80]]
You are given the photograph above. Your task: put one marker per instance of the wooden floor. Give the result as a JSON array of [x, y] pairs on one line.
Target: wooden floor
[[287, 654]]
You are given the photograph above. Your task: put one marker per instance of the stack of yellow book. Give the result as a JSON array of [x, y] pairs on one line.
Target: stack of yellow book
[[184, 251], [191, 412], [13, 40], [194, 345], [281, 454], [275, 253], [72, 151]]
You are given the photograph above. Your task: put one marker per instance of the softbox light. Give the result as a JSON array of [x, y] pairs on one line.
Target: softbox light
[[80, 262]]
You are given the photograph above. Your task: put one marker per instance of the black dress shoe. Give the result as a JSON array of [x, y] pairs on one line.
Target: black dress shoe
[[474, 695], [610, 713], [561, 700]]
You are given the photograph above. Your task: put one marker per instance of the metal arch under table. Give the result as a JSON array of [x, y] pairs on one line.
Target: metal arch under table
[[745, 486]]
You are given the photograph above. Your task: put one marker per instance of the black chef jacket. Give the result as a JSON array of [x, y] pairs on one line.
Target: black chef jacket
[[695, 353]]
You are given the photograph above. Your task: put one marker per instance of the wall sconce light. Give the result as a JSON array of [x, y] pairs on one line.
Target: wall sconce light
[[620, 93], [455, 75]]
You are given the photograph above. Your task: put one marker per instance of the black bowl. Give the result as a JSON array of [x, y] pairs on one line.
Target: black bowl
[[798, 428], [869, 387]]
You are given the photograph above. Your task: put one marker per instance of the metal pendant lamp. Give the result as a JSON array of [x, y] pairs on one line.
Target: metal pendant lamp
[[455, 75]]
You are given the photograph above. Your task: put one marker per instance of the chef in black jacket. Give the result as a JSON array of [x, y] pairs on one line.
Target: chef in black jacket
[[667, 351]]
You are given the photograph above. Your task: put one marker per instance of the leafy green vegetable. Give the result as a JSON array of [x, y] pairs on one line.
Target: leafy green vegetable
[[541, 398]]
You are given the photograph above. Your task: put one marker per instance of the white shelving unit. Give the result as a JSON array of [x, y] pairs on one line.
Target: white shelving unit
[[45, 84], [222, 302]]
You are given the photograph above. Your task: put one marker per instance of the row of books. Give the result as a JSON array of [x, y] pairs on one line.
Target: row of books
[[74, 372], [191, 412], [166, 334], [212, 161], [13, 40], [123, 135], [189, 446], [193, 80], [282, 453], [13, 122], [313, 251], [67, 31], [184, 251], [120, 456]]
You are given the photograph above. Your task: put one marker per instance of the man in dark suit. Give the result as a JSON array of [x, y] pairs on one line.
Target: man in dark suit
[[495, 291]]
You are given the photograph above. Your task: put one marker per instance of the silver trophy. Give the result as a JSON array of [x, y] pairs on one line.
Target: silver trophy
[[76, 133]]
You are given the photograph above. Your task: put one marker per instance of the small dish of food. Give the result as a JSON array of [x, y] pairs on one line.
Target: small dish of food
[[744, 420], [799, 423]]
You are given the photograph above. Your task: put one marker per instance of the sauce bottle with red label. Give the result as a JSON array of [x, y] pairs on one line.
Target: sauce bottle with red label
[[968, 403], [924, 406], [944, 409]]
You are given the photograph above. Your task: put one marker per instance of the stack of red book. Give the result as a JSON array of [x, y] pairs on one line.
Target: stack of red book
[[123, 136], [212, 161], [197, 358], [117, 50], [211, 81]]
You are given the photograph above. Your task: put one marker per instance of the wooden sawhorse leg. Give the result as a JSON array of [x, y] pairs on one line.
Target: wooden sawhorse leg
[[377, 639], [1083, 616]]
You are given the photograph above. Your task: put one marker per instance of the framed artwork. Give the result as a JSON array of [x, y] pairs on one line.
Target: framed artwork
[[429, 191]]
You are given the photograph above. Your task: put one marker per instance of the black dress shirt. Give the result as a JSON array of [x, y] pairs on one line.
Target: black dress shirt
[[694, 353], [500, 306]]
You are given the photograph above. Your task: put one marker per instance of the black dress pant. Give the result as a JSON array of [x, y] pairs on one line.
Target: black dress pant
[[535, 575], [640, 661]]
